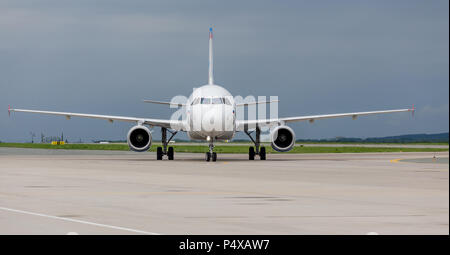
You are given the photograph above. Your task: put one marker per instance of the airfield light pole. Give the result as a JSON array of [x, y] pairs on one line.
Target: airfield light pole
[[32, 136]]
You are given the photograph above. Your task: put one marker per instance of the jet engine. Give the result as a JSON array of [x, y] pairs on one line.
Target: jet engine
[[139, 138], [282, 138]]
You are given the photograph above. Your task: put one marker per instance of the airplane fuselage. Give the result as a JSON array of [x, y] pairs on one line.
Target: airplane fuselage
[[210, 114]]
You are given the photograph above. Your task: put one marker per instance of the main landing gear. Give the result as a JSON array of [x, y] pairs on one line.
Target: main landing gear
[[161, 151], [257, 150], [211, 156]]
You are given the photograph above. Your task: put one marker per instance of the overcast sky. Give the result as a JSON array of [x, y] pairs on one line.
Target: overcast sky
[[318, 57]]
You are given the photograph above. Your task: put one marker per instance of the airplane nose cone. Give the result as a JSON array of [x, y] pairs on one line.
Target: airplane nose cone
[[217, 119]]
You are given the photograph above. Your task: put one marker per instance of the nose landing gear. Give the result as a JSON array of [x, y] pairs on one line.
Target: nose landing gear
[[211, 156]]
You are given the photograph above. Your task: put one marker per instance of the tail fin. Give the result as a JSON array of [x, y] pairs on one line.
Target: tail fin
[[210, 74]]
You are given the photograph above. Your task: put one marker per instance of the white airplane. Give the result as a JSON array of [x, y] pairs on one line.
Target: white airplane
[[210, 115]]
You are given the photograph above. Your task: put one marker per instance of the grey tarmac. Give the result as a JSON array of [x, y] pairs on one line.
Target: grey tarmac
[[114, 192]]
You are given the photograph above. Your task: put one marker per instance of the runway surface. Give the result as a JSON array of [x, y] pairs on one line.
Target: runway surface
[[114, 192]]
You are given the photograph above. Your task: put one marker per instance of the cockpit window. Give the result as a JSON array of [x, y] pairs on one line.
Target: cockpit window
[[196, 101], [217, 100], [206, 100], [214, 100]]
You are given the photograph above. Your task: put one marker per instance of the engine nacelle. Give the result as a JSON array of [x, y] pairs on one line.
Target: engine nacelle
[[282, 138], [139, 138]]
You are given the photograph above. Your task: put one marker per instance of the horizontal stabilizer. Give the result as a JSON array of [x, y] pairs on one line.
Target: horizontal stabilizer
[[258, 102], [162, 102]]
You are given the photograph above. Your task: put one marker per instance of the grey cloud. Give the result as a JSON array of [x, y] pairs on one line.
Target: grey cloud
[[318, 57]]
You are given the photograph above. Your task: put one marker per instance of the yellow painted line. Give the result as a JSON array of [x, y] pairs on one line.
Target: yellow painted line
[[395, 160]]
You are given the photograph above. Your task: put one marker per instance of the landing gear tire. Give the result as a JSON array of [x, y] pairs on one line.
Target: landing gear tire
[[208, 157], [262, 153], [170, 153], [214, 157], [251, 153], [159, 153]]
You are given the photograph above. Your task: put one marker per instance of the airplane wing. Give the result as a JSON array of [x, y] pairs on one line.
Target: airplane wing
[[249, 124], [173, 124]]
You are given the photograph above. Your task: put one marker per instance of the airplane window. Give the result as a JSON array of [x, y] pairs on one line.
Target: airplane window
[[217, 100], [206, 100]]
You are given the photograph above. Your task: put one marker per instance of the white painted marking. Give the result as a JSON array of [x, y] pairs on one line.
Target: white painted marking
[[79, 221], [72, 233], [372, 234]]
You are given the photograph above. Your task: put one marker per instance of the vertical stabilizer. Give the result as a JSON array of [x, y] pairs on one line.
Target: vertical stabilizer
[[210, 74]]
